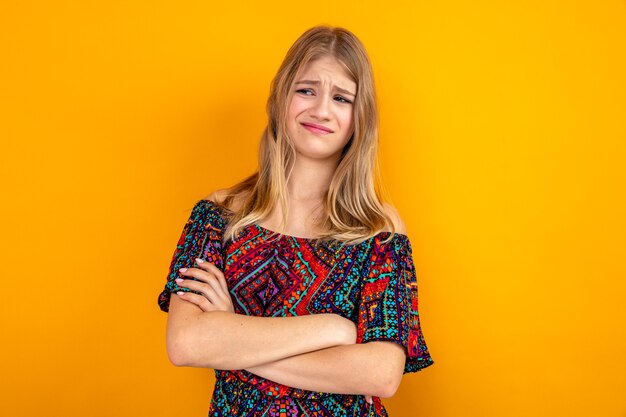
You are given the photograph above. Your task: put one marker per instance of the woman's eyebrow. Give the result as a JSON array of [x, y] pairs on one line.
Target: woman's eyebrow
[[312, 82]]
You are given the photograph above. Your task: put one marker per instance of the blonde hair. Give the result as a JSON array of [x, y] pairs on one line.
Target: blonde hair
[[353, 207]]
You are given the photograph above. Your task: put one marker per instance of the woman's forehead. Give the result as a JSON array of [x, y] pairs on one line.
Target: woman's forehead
[[326, 70]]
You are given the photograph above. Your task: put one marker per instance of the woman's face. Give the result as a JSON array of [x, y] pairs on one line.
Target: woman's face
[[320, 116]]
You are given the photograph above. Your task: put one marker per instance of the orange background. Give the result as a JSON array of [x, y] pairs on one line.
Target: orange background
[[502, 144]]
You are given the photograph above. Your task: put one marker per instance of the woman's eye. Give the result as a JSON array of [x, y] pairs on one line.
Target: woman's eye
[[342, 99], [306, 91]]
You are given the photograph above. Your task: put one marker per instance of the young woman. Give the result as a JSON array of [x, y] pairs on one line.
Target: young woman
[[297, 285]]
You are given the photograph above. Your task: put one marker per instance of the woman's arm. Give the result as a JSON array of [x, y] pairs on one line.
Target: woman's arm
[[225, 340], [384, 361], [373, 368]]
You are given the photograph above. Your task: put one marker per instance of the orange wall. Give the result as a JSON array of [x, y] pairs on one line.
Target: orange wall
[[503, 144]]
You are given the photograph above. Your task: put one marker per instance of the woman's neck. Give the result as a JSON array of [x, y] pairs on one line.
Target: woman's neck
[[309, 180]]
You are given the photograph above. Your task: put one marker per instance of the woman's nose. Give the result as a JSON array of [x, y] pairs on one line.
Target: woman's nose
[[321, 107]]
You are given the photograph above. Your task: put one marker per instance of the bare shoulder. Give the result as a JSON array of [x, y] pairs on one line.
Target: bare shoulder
[[217, 196], [393, 213]]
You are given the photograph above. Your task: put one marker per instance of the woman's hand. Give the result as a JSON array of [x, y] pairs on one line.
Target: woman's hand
[[212, 285]]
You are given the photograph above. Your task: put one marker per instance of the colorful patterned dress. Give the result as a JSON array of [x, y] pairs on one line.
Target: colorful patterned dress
[[371, 283]]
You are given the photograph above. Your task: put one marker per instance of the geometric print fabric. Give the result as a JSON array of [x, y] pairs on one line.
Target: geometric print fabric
[[372, 283]]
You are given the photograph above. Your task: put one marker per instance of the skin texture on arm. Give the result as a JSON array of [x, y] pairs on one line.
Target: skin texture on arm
[[225, 340], [373, 369]]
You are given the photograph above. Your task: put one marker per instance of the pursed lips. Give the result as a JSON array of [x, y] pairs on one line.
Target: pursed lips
[[316, 128]]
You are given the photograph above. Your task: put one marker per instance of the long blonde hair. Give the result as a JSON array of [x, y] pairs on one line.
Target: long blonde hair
[[353, 207]]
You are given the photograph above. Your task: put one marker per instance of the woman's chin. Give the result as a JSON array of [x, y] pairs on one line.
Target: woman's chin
[[318, 155]]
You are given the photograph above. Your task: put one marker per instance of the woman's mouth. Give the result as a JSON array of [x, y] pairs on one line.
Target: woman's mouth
[[312, 127]]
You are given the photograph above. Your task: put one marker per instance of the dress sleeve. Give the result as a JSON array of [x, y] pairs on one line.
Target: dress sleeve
[[201, 238], [388, 309]]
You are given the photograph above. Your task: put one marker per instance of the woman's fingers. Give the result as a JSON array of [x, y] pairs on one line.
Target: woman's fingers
[[205, 277], [210, 267], [210, 282], [201, 287], [198, 300]]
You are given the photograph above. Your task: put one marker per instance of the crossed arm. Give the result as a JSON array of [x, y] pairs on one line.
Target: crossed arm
[[314, 352]]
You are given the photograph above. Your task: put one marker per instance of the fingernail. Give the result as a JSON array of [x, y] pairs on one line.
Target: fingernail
[[179, 280], [180, 293], [200, 261], [183, 269]]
